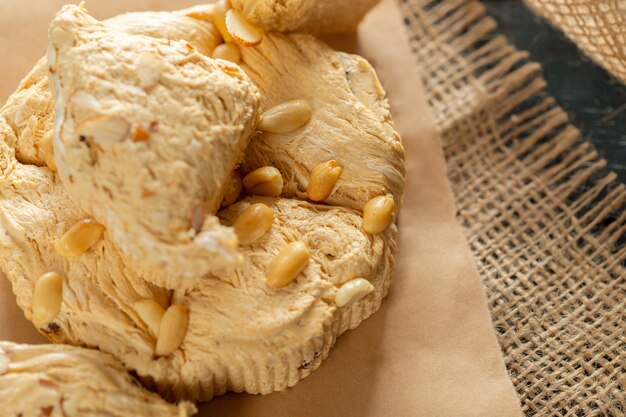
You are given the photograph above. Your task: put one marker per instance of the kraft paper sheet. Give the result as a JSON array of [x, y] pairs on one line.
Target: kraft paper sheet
[[431, 349]]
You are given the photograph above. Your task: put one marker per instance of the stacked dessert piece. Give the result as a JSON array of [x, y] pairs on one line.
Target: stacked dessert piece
[[208, 201]]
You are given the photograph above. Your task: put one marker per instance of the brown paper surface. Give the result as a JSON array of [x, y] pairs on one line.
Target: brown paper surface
[[430, 350]]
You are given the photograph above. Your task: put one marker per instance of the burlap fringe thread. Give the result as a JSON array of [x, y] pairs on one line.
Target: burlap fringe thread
[[545, 221]]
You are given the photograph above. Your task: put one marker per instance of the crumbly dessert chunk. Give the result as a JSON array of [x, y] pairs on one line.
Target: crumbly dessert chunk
[[147, 132], [241, 334], [29, 111], [66, 381], [313, 16]]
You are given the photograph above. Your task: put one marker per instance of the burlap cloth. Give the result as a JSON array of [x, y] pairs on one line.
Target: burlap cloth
[[545, 224], [545, 221], [597, 26]]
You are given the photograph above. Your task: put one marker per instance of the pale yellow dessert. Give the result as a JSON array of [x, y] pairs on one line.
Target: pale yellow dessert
[[35, 125], [65, 381], [147, 134], [313, 16], [350, 121], [317, 252]]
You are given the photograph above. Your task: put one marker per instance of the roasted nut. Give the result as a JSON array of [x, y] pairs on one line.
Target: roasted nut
[[352, 291], [85, 101], [151, 313], [286, 117], [79, 238], [219, 19], [149, 68], [46, 151], [104, 130], [323, 180], [253, 223], [377, 214], [47, 298], [228, 52], [265, 181], [233, 190], [173, 330], [288, 264], [242, 31]]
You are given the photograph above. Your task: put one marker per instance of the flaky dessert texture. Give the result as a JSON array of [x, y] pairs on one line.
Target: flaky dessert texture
[[351, 122], [312, 16], [234, 330], [167, 25], [242, 336], [65, 381], [29, 110], [148, 132]]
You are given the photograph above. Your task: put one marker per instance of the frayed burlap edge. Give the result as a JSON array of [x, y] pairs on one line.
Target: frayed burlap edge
[[545, 221], [598, 27]]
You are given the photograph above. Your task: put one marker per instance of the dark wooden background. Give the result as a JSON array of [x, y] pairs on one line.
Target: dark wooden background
[[595, 101]]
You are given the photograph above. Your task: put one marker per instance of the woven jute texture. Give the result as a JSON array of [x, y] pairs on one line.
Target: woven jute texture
[[597, 26], [545, 221]]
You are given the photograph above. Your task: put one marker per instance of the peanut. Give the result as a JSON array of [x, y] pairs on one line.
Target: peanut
[[172, 330], [228, 52], [151, 313], [47, 298], [286, 117], [104, 130], [242, 31], [253, 223], [323, 180], [353, 291], [219, 19], [265, 181], [288, 264], [377, 214], [79, 238]]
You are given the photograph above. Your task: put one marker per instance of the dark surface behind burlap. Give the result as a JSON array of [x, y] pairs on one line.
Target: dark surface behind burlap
[[544, 219]]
